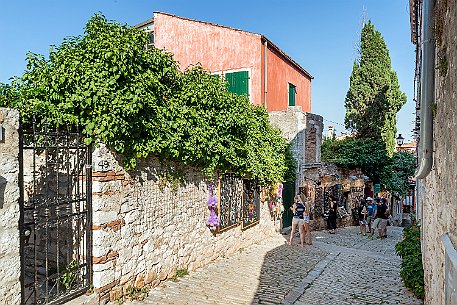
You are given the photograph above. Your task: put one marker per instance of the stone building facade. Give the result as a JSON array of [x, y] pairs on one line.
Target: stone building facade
[[436, 195], [316, 180], [271, 78], [304, 131]]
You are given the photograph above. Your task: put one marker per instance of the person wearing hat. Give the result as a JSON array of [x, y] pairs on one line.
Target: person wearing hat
[[371, 209]]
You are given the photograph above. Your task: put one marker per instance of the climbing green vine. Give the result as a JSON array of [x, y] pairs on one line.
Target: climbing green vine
[[139, 103]]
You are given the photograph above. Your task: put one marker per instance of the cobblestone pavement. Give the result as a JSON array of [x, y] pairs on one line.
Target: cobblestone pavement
[[364, 271], [341, 268]]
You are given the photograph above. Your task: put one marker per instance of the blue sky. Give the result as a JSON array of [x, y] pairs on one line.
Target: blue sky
[[320, 35]]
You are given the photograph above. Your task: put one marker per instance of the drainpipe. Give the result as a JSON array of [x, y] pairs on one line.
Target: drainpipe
[[427, 91], [265, 72]]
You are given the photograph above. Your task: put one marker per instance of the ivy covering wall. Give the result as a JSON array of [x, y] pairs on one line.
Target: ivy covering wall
[[139, 103]]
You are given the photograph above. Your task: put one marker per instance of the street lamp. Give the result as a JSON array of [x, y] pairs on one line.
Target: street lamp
[[400, 140]]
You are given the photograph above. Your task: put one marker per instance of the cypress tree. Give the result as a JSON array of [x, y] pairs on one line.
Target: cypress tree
[[374, 96]]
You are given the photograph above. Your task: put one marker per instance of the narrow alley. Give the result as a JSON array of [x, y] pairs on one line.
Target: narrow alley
[[342, 268]]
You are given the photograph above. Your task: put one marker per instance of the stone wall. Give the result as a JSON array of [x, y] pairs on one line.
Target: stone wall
[[437, 192], [292, 124], [10, 270], [144, 230], [304, 132], [315, 126]]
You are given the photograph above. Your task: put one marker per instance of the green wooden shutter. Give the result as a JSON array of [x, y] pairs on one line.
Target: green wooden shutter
[[238, 82], [292, 93]]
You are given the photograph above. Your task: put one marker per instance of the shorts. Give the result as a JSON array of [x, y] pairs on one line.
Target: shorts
[[363, 222], [296, 220], [369, 220], [383, 225], [306, 218], [376, 223]]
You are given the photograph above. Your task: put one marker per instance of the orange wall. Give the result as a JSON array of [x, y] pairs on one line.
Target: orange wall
[[280, 74], [217, 48], [221, 49]]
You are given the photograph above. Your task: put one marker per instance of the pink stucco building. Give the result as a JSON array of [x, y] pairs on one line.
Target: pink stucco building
[[251, 63]]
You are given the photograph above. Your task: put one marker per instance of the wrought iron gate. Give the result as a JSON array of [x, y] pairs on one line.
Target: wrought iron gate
[[55, 223]]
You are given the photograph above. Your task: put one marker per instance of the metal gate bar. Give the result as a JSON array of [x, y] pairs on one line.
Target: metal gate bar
[[55, 221]]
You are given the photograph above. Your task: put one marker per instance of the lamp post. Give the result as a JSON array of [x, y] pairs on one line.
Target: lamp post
[[400, 140]]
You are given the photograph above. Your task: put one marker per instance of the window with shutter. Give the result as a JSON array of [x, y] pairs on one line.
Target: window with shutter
[[292, 92], [238, 82]]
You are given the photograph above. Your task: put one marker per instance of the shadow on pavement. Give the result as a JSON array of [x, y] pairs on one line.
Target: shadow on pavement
[[339, 268], [284, 269]]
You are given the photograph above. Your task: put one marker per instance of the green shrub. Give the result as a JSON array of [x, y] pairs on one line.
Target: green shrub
[[409, 249]]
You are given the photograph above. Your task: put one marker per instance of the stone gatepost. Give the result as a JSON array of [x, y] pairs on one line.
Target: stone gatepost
[[10, 262]]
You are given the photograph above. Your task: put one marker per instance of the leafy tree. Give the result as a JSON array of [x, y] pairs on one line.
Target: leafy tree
[[374, 96], [368, 154], [138, 103], [396, 175]]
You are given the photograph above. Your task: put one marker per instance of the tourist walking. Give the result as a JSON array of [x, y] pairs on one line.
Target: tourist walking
[[371, 209], [378, 215], [331, 219], [298, 209], [384, 215], [362, 212]]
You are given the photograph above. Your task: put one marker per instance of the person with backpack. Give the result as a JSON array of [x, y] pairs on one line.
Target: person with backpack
[[381, 218]]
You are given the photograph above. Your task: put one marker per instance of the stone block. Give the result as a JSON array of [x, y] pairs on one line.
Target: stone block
[[126, 279], [115, 294], [129, 265], [109, 265], [150, 277], [9, 240], [103, 239], [103, 278], [104, 217], [132, 216], [100, 250], [139, 281]]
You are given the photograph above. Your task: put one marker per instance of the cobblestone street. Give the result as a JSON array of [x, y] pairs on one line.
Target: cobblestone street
[[341, 268]]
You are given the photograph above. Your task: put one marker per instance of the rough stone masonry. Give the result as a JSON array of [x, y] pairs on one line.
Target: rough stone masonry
[[143, 230], [10, 269]]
